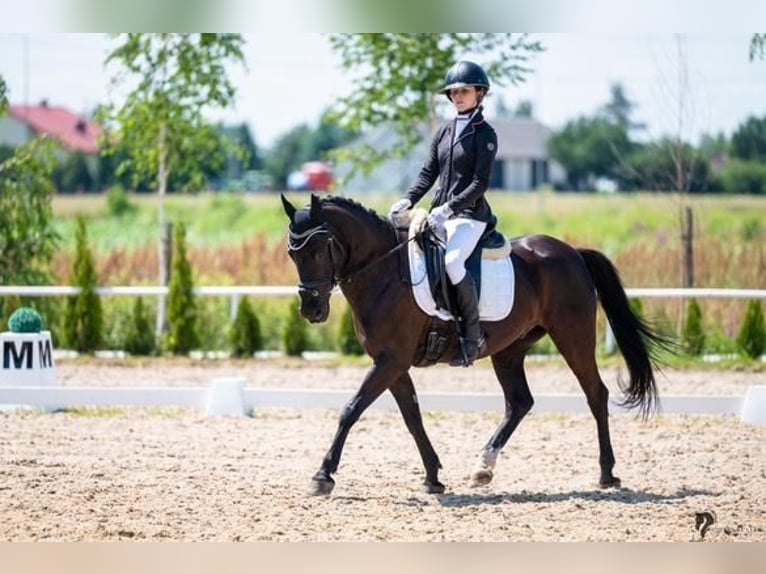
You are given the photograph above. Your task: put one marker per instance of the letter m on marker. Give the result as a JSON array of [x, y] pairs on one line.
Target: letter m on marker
[[46, 353], [9, 351]]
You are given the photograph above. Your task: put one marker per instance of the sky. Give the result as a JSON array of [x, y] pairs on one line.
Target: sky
[[292, 77]]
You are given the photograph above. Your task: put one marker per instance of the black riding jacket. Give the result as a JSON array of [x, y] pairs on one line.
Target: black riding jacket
[[463, 169]]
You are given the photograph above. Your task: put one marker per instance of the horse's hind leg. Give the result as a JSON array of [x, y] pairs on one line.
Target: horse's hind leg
[[406, 397], [509, 368], [578, 347]]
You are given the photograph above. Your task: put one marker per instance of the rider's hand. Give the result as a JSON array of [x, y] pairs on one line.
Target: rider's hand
[[399, 207], [439, 215]]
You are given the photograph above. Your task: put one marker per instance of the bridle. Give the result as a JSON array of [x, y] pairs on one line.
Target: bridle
[[316, 287], [296, 242]]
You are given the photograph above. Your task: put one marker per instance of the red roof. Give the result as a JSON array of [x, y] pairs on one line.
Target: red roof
[[73, 132]]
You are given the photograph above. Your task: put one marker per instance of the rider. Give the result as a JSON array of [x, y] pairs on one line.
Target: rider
[[461, 156]]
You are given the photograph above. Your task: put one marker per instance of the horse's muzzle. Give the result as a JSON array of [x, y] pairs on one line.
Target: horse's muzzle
[[315, 309]]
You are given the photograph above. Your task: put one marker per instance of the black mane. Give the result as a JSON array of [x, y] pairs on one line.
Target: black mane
[[362, 212]]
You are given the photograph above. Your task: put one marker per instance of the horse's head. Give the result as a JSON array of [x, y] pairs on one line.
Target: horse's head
[[312, 248]]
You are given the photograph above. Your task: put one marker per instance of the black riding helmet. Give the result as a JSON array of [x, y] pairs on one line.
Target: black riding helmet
[[465, 73]]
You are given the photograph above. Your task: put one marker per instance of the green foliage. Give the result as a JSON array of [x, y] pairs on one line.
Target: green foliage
[[740, 176], [655, 166], [27, 240], [3, 96], [397, 77], [295, 337], [139, 337], [74, 175], [693, 335], [183, 334], [751, 339], [118, 202], [25, 320], [589, 148], [245, 334], [83, 327], [757, 46], [748, 142], [175, 80], [348, 342]]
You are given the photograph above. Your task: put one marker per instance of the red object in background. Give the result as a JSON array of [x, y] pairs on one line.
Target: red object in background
[[318, 175]]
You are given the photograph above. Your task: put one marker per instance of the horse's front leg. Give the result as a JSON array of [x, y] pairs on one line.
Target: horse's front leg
[[407, 399], [380, 377]]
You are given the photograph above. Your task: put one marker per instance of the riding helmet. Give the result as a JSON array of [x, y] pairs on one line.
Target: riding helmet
[[465, 73]]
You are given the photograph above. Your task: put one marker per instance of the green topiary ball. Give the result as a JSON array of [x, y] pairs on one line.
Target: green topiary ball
[[25, 320]]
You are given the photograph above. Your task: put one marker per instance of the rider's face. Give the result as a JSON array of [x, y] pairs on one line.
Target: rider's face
[[464, 98]]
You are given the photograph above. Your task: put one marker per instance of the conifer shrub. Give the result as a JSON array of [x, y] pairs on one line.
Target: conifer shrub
[[245, 334], [25, 320], [83, 320], [295, 335], [348, 342], [751, 340], [693, 336], [139, 335], [183, 335]]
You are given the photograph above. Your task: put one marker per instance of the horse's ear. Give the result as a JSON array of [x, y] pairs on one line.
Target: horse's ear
[[288, 207], [315, 207]]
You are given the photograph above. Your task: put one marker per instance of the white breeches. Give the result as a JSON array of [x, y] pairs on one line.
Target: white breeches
[[462, 236]]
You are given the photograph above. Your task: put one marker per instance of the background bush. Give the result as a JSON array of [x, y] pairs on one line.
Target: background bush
[[295, 338], [83, 323], [245, 334], [751, 340], [693, 336], [182, 335]]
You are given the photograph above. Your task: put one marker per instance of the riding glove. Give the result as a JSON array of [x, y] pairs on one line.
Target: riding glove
[[439, 215], [400, 206]]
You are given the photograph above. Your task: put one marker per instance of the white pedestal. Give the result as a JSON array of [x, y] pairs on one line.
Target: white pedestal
[[225, 397], [754, 407], [27, 359]]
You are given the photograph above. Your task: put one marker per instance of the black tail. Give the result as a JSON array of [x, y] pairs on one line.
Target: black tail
[[637, 340]]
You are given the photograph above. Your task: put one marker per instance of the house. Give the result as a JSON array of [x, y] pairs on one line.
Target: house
[[74, 134], [521, 164]]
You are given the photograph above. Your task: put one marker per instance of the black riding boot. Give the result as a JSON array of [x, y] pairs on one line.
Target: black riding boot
[[471, 337]]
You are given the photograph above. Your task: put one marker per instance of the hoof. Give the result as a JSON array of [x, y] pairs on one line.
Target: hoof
[[321, 486], [481, 477], [610, 482], [433, 487]]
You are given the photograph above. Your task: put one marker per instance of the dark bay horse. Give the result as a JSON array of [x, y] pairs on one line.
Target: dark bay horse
[[336, 241]]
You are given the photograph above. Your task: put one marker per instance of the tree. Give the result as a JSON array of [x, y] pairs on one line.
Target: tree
[[398, 77], [693, 334], [172, 79], [295, 336], [84, 322], [758, 46], [589, 148], [245, 335], [619, 110], [183, 334], [3, 96], [751, 339], [748, 142], [525, 109], [139, 338], [28, 239]]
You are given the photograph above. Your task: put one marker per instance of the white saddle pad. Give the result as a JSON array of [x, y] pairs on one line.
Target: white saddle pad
[[497, 286]]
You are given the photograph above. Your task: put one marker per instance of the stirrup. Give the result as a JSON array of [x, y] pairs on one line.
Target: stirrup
[[462, 358]]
